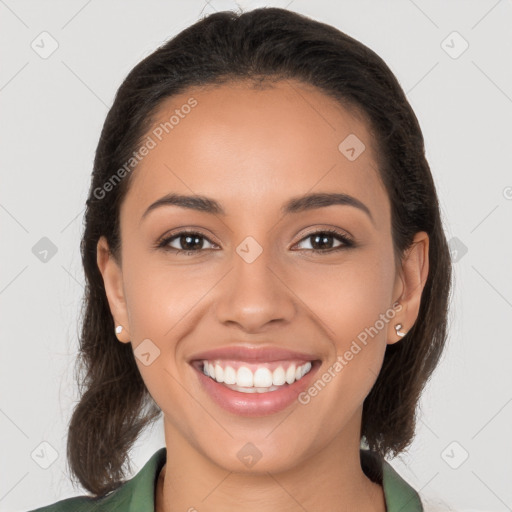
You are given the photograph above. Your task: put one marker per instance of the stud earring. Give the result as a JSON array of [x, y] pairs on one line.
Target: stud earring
[[397, 329], [119, 328]]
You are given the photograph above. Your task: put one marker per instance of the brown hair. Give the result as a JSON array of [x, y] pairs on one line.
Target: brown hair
[[266, 44]]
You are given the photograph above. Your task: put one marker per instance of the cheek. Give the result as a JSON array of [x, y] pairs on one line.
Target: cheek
[[353, 312], [347, 298], [159, 296], [353, 305]]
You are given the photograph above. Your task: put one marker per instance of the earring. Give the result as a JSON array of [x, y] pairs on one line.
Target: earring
[[119, 328], [397, 329]]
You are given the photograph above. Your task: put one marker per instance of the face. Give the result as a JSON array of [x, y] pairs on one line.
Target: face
[[261, 267]]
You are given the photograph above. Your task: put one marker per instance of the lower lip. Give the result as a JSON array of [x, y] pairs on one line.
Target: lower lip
[[255, 404]]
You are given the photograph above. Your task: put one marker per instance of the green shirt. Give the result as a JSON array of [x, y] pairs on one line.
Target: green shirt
[[137, 494]]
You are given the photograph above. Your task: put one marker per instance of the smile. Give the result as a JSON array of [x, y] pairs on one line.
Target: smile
[[254, 389], [255, 378]]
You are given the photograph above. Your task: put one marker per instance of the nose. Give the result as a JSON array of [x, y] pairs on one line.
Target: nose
[[255, 294]]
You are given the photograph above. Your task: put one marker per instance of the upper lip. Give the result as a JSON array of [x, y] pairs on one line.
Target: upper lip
[[255, 354]]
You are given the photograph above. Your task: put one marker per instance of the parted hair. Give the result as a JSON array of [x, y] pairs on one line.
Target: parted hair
[[260, 46]]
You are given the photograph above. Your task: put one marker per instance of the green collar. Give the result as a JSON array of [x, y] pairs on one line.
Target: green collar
[[137, 494]]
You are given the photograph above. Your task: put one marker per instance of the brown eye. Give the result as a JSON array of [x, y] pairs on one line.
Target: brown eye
[[185, 241], [324, 241]]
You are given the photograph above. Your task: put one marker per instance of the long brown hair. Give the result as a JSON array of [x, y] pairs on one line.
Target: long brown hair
[[263, 44]]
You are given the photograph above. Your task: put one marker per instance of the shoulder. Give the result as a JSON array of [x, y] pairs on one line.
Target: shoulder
[[88, 504], [136, 491], [399, 494]]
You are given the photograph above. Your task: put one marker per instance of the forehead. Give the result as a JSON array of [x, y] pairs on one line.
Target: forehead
[[245, 145]]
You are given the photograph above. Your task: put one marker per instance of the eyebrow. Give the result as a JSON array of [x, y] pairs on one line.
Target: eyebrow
[[293, 205]]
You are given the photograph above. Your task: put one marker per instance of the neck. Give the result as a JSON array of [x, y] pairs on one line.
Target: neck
[[331, 479]]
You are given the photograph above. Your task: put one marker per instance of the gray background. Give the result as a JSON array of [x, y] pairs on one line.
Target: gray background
[[52, 113]]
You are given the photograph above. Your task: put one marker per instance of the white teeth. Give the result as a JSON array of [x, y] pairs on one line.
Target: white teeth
[[244, 377], [278, 376], [262, 380], [253, 389], [229, 375], [290, 374], [306, 368], [219, 373]]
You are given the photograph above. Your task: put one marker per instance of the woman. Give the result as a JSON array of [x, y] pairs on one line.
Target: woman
[[266, 266]]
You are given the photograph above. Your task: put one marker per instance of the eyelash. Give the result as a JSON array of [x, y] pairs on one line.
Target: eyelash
[[347, 241]]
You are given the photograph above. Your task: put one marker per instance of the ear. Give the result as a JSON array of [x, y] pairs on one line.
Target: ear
[[113, 281], [410, 280]]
